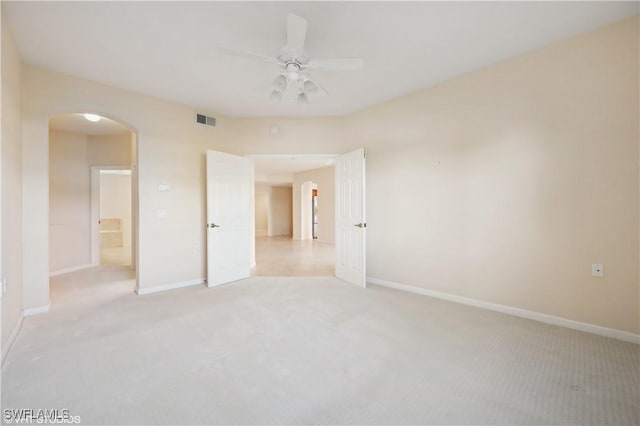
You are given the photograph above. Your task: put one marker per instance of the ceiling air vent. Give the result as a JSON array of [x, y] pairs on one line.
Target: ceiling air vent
[[206, 120]]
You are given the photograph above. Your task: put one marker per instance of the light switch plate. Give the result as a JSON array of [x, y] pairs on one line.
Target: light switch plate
[[163, 187], [161, 213]]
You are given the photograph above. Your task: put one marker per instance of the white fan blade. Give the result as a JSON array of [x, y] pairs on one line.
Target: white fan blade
[[249, 55], [296, 33], [343, 64], [321, 88]]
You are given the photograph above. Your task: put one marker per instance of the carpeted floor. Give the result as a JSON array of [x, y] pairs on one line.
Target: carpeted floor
[[271, 350]]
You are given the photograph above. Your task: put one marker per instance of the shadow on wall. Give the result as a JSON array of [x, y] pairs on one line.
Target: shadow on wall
[[273, 208]]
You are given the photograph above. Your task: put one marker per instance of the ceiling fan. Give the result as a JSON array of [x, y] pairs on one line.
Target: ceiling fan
[[294, 64]]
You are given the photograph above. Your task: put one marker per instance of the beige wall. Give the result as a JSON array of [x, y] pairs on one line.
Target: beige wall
[[170, 148], [309, 135], [110, 150], [506, 184], [270, 205], [11, 179], [69, 201], [503, 185], [71, 157], [281, 209], [325, 180], [273, 210], [261, 213]]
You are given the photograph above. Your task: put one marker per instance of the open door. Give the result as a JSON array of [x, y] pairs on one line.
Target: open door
[[229, 220], [351, 223]]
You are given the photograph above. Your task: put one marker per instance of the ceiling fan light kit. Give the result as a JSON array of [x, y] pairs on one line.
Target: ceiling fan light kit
[[275, 96], [294, 64], [280, 83], [309, 87]]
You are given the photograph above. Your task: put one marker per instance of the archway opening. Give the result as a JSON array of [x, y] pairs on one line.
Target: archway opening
[[93, 203]]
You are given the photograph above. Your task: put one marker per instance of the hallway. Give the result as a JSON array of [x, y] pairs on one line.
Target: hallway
[[283, 256]]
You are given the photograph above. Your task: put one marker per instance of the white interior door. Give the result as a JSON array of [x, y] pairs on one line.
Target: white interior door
[[229, 218], [350, 218]]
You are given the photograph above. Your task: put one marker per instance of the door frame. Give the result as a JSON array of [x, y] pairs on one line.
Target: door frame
[[95, 214]]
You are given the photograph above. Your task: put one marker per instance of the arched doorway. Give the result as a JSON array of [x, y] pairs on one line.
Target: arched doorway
[[90, 155]]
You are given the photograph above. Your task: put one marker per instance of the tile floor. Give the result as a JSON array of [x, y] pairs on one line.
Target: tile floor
[[283, 256], [115, 256], [275, 256]]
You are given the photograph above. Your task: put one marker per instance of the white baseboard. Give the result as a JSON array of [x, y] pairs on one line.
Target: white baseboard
[[12, 338], [27, 312], [72, 269], [522, 313], [171, 286]]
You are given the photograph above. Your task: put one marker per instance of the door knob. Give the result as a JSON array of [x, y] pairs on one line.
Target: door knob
[[213, 225], [361, 225]]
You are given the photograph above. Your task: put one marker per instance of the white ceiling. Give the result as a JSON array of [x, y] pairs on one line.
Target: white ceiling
[[168, 49], [76, 123], [278, 171]]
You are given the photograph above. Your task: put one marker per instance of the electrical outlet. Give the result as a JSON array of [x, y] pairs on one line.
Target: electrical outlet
[[597, 270]]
